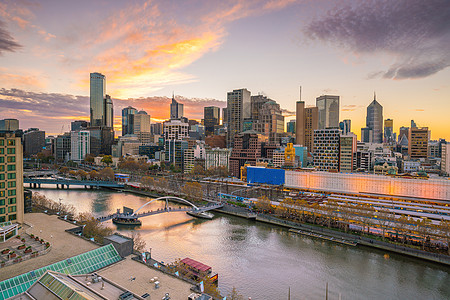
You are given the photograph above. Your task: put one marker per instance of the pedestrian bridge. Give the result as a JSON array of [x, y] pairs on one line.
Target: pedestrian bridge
[[36, 183], [167, 209]]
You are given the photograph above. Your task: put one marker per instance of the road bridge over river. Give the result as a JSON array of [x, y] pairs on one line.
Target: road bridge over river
[[64, 182]]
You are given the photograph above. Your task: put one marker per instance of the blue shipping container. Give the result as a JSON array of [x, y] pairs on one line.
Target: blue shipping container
[[265, 176]]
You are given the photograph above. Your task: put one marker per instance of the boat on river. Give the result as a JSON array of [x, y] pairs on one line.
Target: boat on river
[[201, 215], [127, 220]]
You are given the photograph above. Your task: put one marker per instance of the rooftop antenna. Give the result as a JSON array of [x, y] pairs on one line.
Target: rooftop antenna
[[300, 93], [374, 96]]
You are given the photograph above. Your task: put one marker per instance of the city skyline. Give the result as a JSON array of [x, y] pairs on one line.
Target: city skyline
[[194, 50]]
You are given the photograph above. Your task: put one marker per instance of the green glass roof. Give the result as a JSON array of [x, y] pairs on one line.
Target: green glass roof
[[81, 264]]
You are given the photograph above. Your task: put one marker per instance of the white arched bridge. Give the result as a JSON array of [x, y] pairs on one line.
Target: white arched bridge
[[133, 217]]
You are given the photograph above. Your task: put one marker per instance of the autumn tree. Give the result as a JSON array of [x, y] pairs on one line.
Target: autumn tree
[[383, 219], [107, 174], [107, 159], [263, 204], [92, 228], [82, 174], [89, 158], [444, 229], [193, 191], [198, 170], [93, 174]]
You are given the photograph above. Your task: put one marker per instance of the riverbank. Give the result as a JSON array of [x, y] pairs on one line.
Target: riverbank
[[360, 240]]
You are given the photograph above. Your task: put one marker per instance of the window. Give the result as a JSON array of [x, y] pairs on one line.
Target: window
[[2, 150], [12, 209], [11, 167], [2, 194], [2, 211], [2, 201], [11, 192], [2, 176], [11, 175], [11, 151], [2, 219], [2, 160], [2, 185], [12, 217], [2, 142], [11, 184], [12, 201], [11, 142], [11, 159], [2, 168]]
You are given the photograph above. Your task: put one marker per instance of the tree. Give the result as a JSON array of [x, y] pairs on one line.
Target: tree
[[424, 229], [92, 228], [263, 204], [107, 174], [193, 190], [64, 170], [383, 219], [198, 170], [107, 159], [234, 295], [82, 174], [93, 174], [139, 242], [444, 229], [89, 158]]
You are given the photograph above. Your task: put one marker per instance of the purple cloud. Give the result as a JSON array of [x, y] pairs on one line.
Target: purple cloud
[[7, 42], [416, 32]]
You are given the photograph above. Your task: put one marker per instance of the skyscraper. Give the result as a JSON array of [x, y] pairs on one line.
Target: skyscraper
[[176, 109], [109, 112], [126, 113], [326, 149], [374, 120], [418, 142], [238, 109], [140, 122], [300, 123], [212, 118], [328, 107], [9, 124], [97, 99], [389, 131], [346, 126], [290, 126]]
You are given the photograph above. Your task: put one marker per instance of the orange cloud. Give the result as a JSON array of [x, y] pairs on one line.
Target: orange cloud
[[21, 81]]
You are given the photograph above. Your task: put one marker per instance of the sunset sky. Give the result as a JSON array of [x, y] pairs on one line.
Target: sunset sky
[[202, 49]]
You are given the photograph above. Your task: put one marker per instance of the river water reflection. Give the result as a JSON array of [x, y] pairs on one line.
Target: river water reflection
[[263, 261]]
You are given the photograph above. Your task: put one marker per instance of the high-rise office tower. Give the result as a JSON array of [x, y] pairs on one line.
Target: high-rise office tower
[[418, 142], [403, 136], [225, 116], [176, 109], [346, 126], [300, 123], [445, 159], [374, 120], [238, 109], [141, 125], [347, 150], [366, 135], [97, 99], [389, 131], [109, 112], [9, 124], [78, 125], [290, 126], [33, 141], [326, 149], [126, 113], [311, 124], [11, 183], [211, 118], [328, 107]]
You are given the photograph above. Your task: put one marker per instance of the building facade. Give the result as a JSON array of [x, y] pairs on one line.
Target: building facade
[[97, 99], [33, 141], [246, 150], [176, 109], [347, 152], [63, 147], [175, 130], [418, 142], [238, 109], [445, 159], [126, 115], [328, 109], [346, 126], [217, 157], [326, 149], [211, 118], [9, 125], [11, 179], [80, 144], [389, 136], [174, 152], [374, 121]]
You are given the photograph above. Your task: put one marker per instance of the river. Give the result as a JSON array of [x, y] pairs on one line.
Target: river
[[263, 261]]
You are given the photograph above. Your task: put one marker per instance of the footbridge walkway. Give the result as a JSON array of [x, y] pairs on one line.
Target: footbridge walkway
[[167, 209]]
